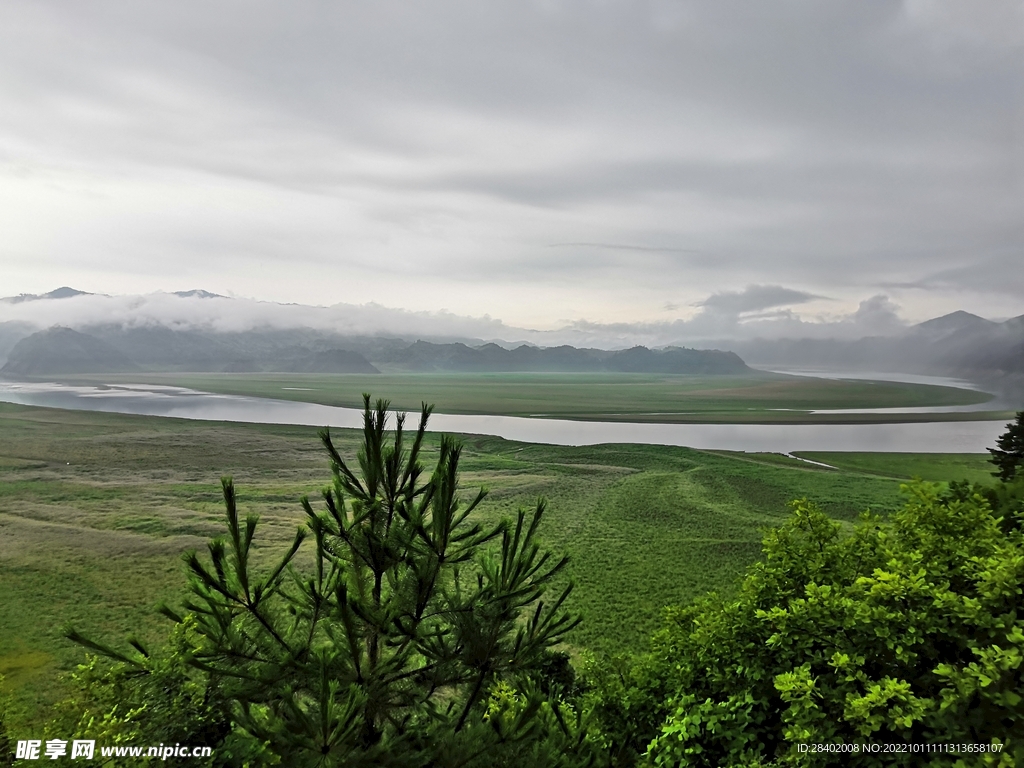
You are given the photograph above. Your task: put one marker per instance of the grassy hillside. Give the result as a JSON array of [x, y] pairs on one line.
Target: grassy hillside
[[904, 466], [95, 510], [753, 398]]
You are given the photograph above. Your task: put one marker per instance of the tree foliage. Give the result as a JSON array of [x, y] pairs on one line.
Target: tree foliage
[[413, 636], [1009, 455], [909, 631], [153, 698]]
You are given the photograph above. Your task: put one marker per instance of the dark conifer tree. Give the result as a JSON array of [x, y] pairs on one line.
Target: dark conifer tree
[[412, 635], [1009, 455]]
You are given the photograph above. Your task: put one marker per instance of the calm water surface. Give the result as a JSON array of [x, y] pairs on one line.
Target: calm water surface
[[930, 437]]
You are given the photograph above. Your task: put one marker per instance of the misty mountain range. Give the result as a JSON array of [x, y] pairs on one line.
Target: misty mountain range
[[117, 349], [64, 292], [958, 344]]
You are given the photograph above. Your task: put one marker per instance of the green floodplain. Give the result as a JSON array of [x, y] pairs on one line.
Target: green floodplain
[[96, 509], [757, 398]]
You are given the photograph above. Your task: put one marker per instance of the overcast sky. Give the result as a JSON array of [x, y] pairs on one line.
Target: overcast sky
[[542, 163]]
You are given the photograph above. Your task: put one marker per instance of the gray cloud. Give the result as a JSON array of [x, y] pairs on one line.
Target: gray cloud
[[755, 298], [226, 314], [877, 316], [996, 274], [623, 247], [429, 156]]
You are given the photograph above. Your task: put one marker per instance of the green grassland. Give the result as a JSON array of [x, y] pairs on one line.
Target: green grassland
[[755, 398], [96, 508], [904, 466]]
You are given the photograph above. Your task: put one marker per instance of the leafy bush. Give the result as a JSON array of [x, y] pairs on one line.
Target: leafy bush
[[153, 698], [907, 631]]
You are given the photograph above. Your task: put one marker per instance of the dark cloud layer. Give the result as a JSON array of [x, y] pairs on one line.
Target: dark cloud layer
[[755, 298], [430, 156]]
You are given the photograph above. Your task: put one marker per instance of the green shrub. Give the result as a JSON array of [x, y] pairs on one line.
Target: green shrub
[[907, 632]]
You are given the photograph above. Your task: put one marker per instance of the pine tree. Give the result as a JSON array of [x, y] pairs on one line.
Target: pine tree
[[1009, 456], [415, 637]]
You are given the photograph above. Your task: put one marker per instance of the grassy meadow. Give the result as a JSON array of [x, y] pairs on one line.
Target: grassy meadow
[[934, 467], [96, 508], [766, 398]]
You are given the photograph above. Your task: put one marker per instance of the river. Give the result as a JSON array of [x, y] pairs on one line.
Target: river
[[925, 437]]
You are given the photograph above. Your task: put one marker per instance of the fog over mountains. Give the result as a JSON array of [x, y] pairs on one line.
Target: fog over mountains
[[69, 331], [958, 344], [117, 349], [200, 331]]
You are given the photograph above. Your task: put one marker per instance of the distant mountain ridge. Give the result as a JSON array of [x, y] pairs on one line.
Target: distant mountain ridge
[[953, 323], [957, 344], [199, 294], [180, 338], [112, 348], [426, 356], [64, 292], [60, 350], [60, 293]]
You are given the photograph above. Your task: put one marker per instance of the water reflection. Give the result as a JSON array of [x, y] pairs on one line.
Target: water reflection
[[933, 437]]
